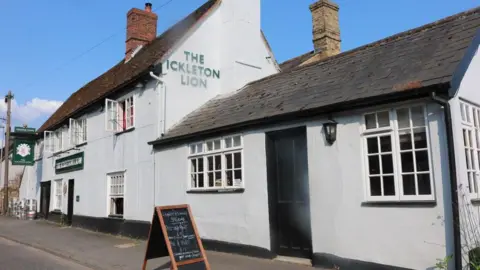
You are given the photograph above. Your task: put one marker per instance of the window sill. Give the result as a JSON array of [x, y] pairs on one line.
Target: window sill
[[215, 191], [125, 131], [119, 217], [410, 203]]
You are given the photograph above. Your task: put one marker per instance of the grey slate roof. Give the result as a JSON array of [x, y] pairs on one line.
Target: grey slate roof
[[296, 61], [419, 58]]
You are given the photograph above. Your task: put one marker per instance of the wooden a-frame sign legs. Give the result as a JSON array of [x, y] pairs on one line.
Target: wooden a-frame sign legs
[[173, 233]]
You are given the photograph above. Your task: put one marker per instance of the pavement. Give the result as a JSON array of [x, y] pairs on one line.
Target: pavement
[[107, 252], [14, 256]]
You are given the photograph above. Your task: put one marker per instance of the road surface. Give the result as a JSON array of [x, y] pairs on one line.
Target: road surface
[[14, 256]]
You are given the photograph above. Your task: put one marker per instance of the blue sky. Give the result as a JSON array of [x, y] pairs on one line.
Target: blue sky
[[44, 46]]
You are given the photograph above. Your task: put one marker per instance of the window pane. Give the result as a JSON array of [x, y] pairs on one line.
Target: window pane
[[420, 137], [387, 164], [218, 162], [386, 143], [375, 186], [200, 164], [424, 187], [238, 175], [229, 175], [217, 144], [200, 180], [218, 179], [465, 137], [462, 110], [237, 160], [370, 121], [372, 145], [199, 148], [374, 164], [210, 163], [192, 149], [409, 184], [209, 146], [210, 179], [421, 157], [407, 162], [193, 167], [388, 186], [467, 157], [229, 160], [405, 139], [403, 118], [228, 142], [418, 119], [194, 180], [237, 141], [383, 119]]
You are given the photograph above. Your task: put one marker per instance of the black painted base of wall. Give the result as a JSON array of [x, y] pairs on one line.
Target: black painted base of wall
[[140, 229], [57, 217]]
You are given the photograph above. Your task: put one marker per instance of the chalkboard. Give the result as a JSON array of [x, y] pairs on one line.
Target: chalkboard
[[173, 233], [182, 236]]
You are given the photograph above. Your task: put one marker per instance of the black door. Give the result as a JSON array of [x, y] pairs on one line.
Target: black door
[[45, 199], [289, 193], [71, 194]]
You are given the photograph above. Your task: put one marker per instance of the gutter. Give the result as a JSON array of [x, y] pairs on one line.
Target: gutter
[[453, 180]]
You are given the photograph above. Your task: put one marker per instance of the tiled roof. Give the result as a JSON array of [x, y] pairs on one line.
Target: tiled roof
[[123, 74], [416, 59], [296, 61]]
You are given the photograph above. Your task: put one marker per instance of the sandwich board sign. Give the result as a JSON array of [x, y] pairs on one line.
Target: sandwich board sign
[[173, 233]]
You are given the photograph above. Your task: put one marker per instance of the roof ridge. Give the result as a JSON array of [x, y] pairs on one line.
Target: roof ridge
[[379, 42]]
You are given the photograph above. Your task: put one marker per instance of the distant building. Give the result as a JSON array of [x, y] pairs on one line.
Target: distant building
[[364, 159]]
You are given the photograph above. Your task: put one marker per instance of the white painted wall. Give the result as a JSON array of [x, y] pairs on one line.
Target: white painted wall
[[106, 152], [466, 89], [411, 236]]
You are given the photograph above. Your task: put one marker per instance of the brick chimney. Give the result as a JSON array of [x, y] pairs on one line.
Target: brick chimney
[[141, 28], [326, 29]]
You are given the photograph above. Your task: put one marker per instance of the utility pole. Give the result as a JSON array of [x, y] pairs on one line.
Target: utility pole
[[8, 100]]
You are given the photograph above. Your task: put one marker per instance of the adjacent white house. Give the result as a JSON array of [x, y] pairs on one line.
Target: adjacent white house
[[354, 159]]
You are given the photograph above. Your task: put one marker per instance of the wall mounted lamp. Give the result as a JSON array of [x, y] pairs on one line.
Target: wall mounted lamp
[[330, 130]]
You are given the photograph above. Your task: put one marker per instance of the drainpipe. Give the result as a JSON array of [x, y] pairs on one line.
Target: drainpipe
[[163, 127], [453, 180], [164, 102]]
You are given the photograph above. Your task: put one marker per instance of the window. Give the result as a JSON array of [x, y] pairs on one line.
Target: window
[[78, 131], [216, 164], [397, 155], [58, 194], [116, 193], [471, 141], [119, 115], [54, 140]]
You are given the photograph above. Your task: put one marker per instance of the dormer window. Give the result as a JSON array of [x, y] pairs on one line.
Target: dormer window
[[119, 115]]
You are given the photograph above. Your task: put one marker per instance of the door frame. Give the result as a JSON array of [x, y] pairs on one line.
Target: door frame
[[70, 200], [45, 195], [271, 183]]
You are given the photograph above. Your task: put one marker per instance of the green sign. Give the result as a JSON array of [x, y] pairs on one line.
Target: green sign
[[194, 73], [23, 152], [24, 129], [70, 163]]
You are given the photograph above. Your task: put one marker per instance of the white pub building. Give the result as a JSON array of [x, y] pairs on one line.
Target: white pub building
[[363, 159]]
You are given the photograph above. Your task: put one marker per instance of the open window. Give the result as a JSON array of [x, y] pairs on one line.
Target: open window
[[119, 115], [48, 142], [78, 131]]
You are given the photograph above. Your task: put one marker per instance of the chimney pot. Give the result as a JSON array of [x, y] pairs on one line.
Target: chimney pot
[[326, 28], [148, 7]]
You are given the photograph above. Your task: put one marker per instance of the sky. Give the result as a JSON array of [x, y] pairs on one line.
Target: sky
[[51, 48]]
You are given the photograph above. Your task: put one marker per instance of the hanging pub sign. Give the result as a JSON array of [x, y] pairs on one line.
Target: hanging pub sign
[[23, 152], [173, 233]]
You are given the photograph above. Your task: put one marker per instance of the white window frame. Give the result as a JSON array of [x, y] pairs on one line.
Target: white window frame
[[223, 152], [116, 195], [59, 140], [58, 194], [114, 114], [393, 131], [77, 131], [470, 119], [48, 140]]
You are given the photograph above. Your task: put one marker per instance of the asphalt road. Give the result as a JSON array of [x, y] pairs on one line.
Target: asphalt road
[[14, 256]]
